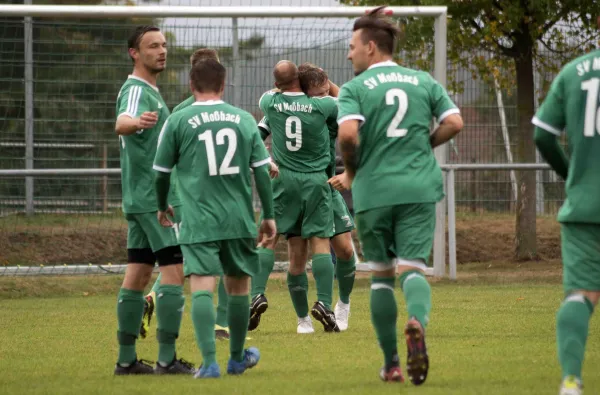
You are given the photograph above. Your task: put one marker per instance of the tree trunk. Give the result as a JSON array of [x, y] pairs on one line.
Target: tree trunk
[[525, 240]]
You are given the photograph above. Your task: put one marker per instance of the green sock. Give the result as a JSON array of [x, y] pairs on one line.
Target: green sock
[[156, 284], [572, 321], [238, 315], [298, 286], [169, 311], [384, 314], [203, 317], [130, 310], [259, 281], [417, 294], [222, 304], [344, 271], [322, 268]]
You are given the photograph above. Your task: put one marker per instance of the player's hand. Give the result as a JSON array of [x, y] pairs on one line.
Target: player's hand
[[147, 120], [273, 170], [170, 211], [341, 182], [164, 219], [266, 232]]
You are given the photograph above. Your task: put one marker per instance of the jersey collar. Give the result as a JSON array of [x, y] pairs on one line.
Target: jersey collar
[[293, 93], [387, 63], [144, 81], [207, 103]]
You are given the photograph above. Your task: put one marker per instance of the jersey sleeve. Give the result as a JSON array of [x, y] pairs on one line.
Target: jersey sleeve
[[551, 114], [259, 155], [441, 103], [265, 100], [264, 128], [166, 153], [133, 102], [349, 105], [184, 104]]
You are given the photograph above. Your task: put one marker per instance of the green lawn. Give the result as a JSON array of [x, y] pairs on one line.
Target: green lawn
[[484, 338]]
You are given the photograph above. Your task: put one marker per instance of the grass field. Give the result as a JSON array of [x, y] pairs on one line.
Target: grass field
[[492, 332]]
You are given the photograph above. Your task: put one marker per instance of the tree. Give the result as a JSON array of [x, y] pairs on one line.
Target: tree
[[516, 35]]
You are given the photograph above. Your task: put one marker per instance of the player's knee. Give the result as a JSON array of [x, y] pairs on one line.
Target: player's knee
[[141, 255], [592, 296], [169, 256], [344, 250]]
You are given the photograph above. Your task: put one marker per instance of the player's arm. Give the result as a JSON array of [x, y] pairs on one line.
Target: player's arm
[[350, 118], [264, 128], [550, 120], [449, 127], [447, 115], [259, 162], [133, 112], [334, 90], [164, 162]]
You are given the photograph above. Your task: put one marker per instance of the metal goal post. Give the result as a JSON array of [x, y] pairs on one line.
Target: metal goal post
[[28, 11]]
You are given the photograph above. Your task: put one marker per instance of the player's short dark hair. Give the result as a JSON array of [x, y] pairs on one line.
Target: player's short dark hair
[[135, 38], [379, 28], [307, 65], [208, 75], [203, 54], [311, 77]]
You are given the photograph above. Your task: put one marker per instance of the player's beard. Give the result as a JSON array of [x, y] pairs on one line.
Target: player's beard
[[156, 68]]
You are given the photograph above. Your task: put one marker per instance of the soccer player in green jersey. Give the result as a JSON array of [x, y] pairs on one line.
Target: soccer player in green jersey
[[300, 141], [384, 115], [572, 106], [213, 146], [221, 330], [141, 113], [315, 83]]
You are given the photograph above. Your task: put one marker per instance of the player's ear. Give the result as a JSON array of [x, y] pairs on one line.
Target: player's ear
[[133, 53], [192, 86], [371, 47]]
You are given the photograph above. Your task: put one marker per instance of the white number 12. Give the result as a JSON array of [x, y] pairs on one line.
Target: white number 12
[[592, 111], [390, 96], [210, 151]]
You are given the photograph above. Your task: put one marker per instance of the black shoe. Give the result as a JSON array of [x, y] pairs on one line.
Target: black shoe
[[325, 317], [140, 366], [178, 366], [417, 363], [257, 308]]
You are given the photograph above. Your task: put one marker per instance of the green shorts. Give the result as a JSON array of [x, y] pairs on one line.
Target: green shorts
[[235, 258], [144, 231], [580, 244], [393, 235], [302, 204], [342, 220]]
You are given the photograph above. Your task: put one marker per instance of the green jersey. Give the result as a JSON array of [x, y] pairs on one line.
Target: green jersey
[[184, 104], [137, 150], [213, 145], [395, 106], [297, 124], [573, 106]]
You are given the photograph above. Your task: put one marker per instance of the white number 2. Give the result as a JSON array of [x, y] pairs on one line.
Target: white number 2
[[592, 111], [390, 96], [295, 135], [210, 151]]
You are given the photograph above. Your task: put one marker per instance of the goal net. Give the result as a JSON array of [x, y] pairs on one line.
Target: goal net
[[61, 68]]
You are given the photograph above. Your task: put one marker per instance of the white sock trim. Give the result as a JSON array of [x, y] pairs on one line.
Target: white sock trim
[[377, 286]]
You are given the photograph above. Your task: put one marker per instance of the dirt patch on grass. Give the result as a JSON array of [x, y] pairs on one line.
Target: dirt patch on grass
[[480, 238]]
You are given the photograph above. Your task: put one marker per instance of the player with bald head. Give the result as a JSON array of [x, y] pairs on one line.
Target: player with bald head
[[302, 198]]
